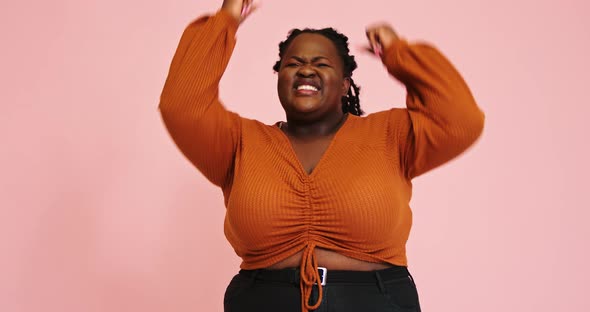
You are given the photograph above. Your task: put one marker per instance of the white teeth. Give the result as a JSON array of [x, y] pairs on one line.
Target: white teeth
[[307, 87]]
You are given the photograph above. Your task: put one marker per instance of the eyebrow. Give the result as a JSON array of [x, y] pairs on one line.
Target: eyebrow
[[315, 59]]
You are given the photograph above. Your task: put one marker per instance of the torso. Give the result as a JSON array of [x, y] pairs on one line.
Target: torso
[[283, 180], [309, 152]]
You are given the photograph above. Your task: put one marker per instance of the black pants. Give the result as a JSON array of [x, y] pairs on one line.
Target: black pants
[[391, 290]]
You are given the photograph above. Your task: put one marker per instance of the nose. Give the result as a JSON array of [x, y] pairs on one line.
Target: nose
[[306, 71]]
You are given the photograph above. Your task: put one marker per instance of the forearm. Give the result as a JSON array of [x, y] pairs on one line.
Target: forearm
[[197, 66], [437, 88]]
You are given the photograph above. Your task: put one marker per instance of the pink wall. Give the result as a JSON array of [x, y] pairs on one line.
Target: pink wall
[[99, 211]]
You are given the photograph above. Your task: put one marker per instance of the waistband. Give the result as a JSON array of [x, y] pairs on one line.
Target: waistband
[[293, 275], [310, 274]]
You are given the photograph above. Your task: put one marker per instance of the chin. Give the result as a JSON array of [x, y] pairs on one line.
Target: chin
[[306, 108], [305, 105]]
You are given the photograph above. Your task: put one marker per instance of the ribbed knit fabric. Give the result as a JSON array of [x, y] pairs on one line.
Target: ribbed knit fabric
[[356, 200]]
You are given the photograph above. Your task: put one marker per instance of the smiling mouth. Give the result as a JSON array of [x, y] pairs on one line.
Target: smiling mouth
[[306, 90], [307, 87]]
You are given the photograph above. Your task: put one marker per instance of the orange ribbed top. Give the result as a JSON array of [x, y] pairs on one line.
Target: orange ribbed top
[[356, 200]]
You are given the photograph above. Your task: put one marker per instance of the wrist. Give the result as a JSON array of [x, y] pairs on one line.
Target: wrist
[[230, 13], [229, 17]]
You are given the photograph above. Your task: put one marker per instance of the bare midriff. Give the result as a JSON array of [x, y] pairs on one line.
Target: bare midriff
[[332, 261]]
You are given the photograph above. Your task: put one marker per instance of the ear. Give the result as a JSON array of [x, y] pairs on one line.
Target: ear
[[345, 86]]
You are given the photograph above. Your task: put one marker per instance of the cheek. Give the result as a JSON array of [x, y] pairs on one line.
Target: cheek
[[335, 85], [284, 84], [283, 80]]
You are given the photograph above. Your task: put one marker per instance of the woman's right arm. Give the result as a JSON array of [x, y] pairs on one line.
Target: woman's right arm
[[206, 133]]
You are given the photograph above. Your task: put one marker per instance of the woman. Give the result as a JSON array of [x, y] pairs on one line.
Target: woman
[[317, 206]]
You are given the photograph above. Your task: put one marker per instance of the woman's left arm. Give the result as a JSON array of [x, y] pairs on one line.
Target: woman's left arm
[[442, 118]]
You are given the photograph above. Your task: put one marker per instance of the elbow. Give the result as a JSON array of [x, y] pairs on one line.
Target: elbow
[[476, 122], [171, 116], [470, 129], [165, 112], [174, 111], [164, 105]]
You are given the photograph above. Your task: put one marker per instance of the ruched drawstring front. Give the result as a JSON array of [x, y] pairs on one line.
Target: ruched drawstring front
[[309, 277]]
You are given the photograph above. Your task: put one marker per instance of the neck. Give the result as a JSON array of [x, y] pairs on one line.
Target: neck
[[306, 129]]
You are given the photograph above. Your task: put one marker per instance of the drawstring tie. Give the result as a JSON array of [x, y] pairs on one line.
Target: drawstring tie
[[309, 277]]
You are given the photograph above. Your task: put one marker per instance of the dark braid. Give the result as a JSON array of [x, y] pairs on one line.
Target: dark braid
[[350, 102]]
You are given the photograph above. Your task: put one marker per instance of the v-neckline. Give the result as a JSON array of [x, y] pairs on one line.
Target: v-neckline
[[318, 165]]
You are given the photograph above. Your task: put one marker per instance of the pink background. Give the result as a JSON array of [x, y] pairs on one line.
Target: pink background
[[100, 212]]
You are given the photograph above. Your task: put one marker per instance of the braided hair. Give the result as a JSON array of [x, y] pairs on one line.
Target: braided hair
[[350, 102]]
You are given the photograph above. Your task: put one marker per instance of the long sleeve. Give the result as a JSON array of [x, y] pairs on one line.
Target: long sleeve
[[206, 133], [442, 119]]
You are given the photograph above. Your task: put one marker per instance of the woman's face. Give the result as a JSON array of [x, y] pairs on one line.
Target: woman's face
[[311, 82]]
